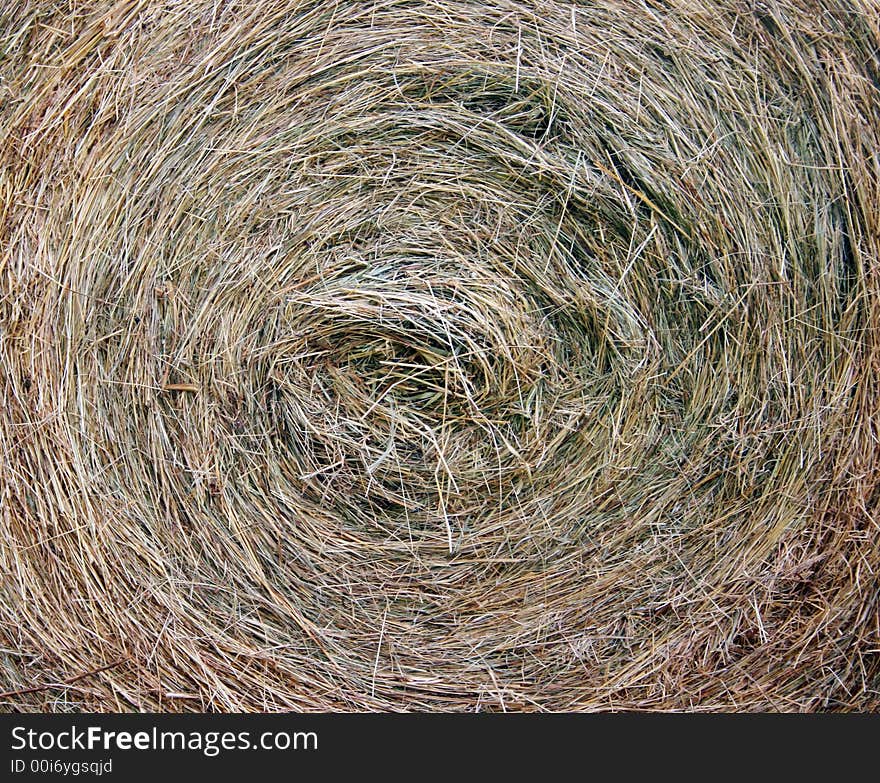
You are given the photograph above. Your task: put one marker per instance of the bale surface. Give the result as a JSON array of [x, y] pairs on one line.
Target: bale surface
[[442, 355]]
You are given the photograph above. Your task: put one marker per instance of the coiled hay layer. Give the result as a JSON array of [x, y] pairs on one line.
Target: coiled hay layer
[[439, 355]]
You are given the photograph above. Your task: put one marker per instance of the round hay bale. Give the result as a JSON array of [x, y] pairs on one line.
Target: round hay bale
[[442, 355]]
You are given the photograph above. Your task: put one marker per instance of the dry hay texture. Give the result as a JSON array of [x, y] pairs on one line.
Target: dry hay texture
[[442, 355]]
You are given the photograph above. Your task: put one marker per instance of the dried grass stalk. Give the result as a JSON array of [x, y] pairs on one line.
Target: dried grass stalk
[[442, 355]]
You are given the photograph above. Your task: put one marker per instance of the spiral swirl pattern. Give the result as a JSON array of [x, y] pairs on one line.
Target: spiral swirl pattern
[[419, 355]]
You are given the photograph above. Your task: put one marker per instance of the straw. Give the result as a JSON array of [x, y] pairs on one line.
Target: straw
[[444, 355]]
